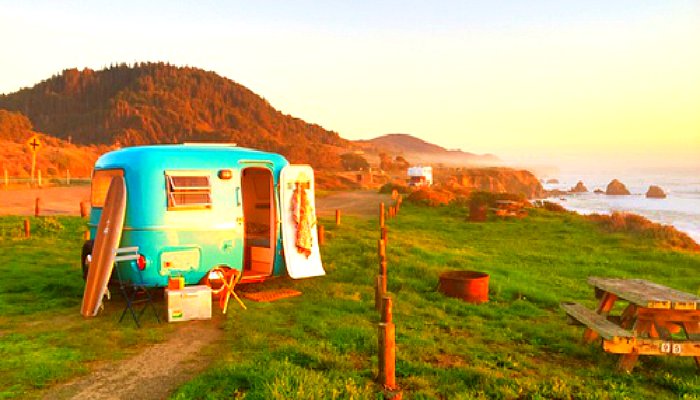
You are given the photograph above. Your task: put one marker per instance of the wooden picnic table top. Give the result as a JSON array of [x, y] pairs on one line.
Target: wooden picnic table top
[[647, 294]]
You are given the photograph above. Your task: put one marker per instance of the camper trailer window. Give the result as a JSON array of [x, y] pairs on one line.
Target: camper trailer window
[[100, 184], [188, 191]]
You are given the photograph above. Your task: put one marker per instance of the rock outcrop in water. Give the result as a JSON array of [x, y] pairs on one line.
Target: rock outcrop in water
[[655, 192], [617, 188], [599, 191], [579, 188], [552, 181], [501, 180]]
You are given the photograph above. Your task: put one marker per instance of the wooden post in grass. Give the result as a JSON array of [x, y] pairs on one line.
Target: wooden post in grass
[[384, 235], [387, 346], [67, 177], [381, 215], [321, 235], [37, 207], [399, 200], [380, 284], [27, 229], [337, 216], [84, 209]]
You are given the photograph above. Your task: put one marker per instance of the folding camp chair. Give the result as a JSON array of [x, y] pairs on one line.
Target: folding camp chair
[[130, 289], [229, 278]]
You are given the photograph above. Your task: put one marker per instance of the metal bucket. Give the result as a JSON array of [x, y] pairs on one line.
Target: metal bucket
[[471, 286]]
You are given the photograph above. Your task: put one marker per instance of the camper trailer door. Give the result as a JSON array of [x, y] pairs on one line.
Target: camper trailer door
[[298, 217]]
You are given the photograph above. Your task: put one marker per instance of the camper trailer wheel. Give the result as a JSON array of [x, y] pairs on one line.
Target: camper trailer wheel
[[87, 250]]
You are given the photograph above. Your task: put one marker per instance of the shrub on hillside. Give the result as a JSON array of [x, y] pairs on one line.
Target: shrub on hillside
[[431, 197], [390, 187], [549, 206], [638, 225], [353, 162]]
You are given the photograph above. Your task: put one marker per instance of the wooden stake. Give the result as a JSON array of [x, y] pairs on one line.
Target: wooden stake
[[84, 209], [33, 165], [67, 177], [37, 207], [379, 292], [381, 215], [321, 235], [27, 229], [384, 236], [387, 346], [337, 217], [381, 250]]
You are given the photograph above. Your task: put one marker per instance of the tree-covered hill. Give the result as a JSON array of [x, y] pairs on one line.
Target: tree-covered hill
[[159, 103]]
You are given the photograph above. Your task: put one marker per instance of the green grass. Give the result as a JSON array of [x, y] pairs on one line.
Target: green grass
[[323, 344], [43, 338]]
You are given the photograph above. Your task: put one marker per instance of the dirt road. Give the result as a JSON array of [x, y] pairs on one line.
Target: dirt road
[[62, 200], [66, 201], [360, 203], [155, 372]]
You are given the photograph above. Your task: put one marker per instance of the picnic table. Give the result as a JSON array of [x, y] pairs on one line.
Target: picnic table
[[655, 320], [509, 208]]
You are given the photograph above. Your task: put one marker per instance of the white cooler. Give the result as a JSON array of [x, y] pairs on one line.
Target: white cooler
[[191, 302]]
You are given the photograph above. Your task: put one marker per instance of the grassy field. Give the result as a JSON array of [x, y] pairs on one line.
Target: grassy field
[[323, 344], [43, 338]]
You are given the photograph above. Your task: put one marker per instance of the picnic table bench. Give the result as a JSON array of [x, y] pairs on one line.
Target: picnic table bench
[[650, 324], [509, 208]]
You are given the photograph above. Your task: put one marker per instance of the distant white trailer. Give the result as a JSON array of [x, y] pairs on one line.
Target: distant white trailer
[[420, 176]]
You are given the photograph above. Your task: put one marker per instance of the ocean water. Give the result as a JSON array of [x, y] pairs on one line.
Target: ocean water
[[681, 207]]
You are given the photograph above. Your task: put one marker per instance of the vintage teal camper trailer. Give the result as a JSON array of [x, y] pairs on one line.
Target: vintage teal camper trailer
[[193, 207]]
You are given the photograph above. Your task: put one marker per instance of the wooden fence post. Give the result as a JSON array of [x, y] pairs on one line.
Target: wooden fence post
[[381, 214], [67, 177], [337, 216], [37, 207], [84, 209], [387, 346], [384, 235], [27, 229], [381, 282], [321, 235]]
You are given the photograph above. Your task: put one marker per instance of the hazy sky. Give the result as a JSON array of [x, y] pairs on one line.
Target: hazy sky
[[547, 82]]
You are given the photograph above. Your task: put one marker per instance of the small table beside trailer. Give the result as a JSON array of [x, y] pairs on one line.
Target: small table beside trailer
[[650, 324]]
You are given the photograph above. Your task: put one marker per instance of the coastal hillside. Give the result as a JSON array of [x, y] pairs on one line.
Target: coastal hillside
[[159, 103], [54, 158], [419, 151]]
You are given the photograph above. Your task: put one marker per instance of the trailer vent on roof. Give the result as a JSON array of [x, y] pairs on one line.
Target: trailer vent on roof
[[188, 190]]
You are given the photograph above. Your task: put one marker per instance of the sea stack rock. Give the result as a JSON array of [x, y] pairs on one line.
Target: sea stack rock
[[552, 181], [655, 192], [599, 191], [579, 188], [616, 188]]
